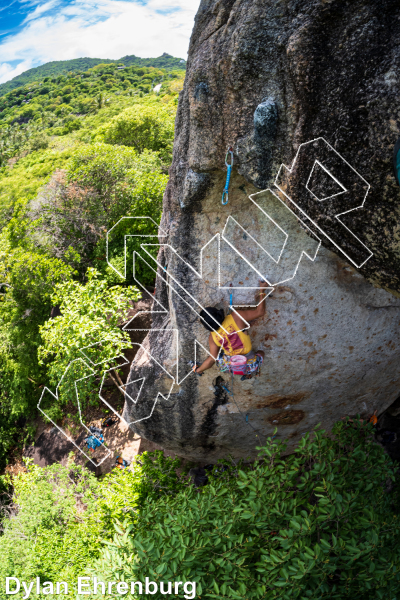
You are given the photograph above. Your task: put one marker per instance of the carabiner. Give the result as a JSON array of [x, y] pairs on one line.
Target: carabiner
[[229, 151]]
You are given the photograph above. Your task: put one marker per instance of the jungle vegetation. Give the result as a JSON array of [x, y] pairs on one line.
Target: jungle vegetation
[[78, 152], [321, 523]]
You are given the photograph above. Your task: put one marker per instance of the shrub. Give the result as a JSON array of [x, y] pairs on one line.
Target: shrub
[[86, 105], [150, 127], [40, 142], [125, 492], [71, 124], [45, 89], [33, 110], [103, 184], [317, 524], [62, 109], [59, 513], [68, 89], [50, 514]]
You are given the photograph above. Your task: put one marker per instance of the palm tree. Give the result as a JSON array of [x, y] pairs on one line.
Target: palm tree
[[100, 100]]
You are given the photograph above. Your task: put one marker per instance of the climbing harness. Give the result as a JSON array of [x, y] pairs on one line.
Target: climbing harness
[[228, 176], [240, 365]]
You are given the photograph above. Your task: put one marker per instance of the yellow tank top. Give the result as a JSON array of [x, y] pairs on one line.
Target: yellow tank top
[[233, 342]]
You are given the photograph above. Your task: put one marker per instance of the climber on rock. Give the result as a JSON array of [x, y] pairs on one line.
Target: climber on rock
[[227, 333]]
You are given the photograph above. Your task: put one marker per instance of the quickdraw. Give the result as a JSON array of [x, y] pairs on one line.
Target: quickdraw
[[225, 197]]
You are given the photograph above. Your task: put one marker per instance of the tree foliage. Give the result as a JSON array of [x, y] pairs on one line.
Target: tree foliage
[[29, 279], [60, 191], [148, 127], [320, 523], [78, 206], [59, 515], [60, 105], [86, 332], [49, 530]]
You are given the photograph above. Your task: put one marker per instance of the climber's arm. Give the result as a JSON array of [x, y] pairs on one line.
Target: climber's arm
[[210, 360], [252, 315]]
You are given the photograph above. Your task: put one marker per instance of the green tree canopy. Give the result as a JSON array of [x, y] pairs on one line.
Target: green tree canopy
[[317, 524], [142, 127], [90, 315]]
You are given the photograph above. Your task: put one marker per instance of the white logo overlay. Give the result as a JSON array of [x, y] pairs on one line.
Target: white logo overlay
[[277, 259]]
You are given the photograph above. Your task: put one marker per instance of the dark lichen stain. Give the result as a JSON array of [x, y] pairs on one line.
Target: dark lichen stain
[[277, 401], [287, 417], [209, 425]]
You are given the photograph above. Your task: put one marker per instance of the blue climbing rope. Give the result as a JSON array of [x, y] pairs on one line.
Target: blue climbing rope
[[228, 177], [228, 391]]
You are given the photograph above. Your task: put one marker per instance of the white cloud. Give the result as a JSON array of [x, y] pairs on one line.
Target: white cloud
[[99, 29], [39, 10], [7, 72]]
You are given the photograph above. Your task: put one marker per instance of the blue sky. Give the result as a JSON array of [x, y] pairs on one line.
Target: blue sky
[[33, 32]]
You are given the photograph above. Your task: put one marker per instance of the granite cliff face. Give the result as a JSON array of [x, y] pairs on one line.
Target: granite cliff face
[[315, 86]]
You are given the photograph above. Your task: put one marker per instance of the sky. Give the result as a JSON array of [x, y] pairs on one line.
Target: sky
[[33, 32]]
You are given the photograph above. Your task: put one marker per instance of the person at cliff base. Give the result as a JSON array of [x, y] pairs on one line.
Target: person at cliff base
[[121, 463], [228, 333], [94, 441]]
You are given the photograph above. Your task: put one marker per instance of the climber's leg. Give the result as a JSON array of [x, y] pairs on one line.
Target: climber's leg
[[254, 362], [260, 359]]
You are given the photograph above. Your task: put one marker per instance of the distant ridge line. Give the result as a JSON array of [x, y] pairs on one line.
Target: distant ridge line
[[59, 67]]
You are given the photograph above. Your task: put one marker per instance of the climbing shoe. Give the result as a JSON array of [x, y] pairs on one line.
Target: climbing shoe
[[396, 161]]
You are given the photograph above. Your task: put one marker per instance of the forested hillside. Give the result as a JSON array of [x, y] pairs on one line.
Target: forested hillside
[[77, 152], [62, 67]]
